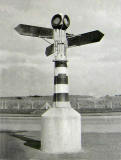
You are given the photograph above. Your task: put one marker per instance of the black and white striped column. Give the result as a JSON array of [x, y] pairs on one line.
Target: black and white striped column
[[61, 89]]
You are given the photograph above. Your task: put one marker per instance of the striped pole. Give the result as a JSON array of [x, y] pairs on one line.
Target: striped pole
[[61, 89]]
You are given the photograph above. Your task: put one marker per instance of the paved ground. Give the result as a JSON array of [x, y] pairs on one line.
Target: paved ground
[[26, 146], [104, 143]]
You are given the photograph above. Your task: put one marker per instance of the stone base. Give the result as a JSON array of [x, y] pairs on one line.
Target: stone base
[[61, 131]]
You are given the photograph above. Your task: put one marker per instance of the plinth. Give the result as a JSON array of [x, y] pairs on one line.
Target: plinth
[[61, 130]]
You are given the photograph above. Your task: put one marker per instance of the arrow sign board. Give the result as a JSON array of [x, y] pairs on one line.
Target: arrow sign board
[[86, 38], [34, 31], [49, 50], [72, 40], [81, 39]]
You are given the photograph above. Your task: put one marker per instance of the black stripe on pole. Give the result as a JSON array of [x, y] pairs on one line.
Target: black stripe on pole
[[60, 63], [60, 97], [61, 79]]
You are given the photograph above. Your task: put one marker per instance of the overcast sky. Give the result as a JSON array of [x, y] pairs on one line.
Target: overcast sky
[[94, 69]]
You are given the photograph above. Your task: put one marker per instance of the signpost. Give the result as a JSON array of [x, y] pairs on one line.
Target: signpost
[[60, 125]]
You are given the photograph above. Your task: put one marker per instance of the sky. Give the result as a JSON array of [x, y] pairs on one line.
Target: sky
[[94, 69]]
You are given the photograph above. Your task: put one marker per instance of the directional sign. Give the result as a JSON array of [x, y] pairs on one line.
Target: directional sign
[[86, 38], [81, 39], [49, 50], [34, 31], [72, 40]]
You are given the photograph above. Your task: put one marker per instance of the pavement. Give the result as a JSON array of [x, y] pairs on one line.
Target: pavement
[[101, 139], [27, 146]]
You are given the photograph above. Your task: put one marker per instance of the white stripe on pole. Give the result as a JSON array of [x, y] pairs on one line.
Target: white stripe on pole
[[61, 88], [61, 70]]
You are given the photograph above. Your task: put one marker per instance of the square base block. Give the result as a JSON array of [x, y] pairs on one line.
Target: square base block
[[61, 130]]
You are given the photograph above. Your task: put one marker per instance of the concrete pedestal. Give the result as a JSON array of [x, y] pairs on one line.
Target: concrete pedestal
[[61, 131]]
